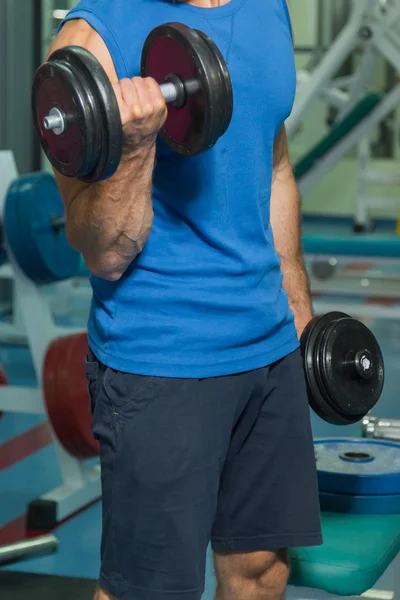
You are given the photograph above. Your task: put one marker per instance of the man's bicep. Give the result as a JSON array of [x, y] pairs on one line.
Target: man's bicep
[[78, 32]]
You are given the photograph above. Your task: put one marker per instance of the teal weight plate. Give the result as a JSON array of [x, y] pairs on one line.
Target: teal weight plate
[[44, 255], [358, 467], [360, 505]]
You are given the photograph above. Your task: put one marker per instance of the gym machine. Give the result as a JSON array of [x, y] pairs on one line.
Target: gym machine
[[373, 28]]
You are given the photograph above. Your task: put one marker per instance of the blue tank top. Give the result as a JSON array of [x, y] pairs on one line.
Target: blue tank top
[[205, 296]]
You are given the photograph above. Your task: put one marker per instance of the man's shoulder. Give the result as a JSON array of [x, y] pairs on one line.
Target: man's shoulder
[[118, 9]]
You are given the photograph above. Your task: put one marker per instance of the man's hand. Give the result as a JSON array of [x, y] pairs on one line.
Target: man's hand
[[301, 322], [143, 112]]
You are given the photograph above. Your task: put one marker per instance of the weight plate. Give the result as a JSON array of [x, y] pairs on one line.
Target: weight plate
[[58, 84], [323, 268], [346, 346], [3, 381], [358, 467], [74, 82], [317, 397], [3, 248], [107, 115], [225, 104], [360, 505], [66, 395], [44, 255], [176, 49]]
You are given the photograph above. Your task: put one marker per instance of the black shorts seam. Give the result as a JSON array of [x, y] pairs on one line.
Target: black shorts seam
[[266, 542], [258, 537]]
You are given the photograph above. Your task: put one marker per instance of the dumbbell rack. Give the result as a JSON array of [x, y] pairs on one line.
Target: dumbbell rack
[[375, 24], [34, 322]]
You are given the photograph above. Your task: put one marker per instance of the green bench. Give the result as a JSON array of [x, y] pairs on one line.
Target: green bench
[[356, 552]]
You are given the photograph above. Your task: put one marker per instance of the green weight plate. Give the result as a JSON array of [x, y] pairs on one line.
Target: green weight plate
[[42, 253]]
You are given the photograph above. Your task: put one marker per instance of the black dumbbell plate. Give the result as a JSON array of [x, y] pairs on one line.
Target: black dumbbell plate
[[74, 82], [176, 49]]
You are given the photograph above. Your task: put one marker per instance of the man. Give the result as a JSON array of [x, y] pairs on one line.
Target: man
[[199, 297]]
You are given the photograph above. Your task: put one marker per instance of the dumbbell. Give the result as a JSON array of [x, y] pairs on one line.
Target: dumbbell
[[344, 368], [76, 114]]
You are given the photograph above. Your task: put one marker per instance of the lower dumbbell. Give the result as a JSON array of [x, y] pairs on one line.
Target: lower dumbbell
[[76, 114], [344, 368]]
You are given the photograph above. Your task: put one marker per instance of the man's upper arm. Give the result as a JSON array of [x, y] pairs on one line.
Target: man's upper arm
[[79, 33], [281, 150]]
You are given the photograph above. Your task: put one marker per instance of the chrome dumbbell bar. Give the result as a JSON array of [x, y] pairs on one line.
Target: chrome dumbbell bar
[[379, 428]]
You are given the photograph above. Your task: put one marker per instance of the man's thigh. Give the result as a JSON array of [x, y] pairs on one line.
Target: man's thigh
[[163, 445], [268, 496]]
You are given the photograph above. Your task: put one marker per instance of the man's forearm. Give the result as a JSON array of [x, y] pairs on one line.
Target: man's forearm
[[286, 226], [109, 222], [296, 285]]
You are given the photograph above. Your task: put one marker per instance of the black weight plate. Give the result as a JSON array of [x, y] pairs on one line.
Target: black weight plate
[[108, 117], [309, 348], [177, 49], [349, 392], [74, 81], [225, 106], [57, 84]]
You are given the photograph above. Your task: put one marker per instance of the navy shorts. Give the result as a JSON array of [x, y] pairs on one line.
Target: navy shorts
[[185, 462]]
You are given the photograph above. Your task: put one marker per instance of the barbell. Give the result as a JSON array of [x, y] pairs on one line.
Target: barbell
[[76, 113]]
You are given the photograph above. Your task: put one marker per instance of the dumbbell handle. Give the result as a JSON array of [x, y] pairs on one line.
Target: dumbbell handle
[[174, 90], [386, 429], [54, 224], [58, 223]]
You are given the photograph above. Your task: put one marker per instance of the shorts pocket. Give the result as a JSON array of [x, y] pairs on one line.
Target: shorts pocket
[[128, 392], [92, 377]]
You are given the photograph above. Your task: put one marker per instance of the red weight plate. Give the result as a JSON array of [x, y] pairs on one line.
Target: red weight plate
[[3, 381], [66, 395]]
